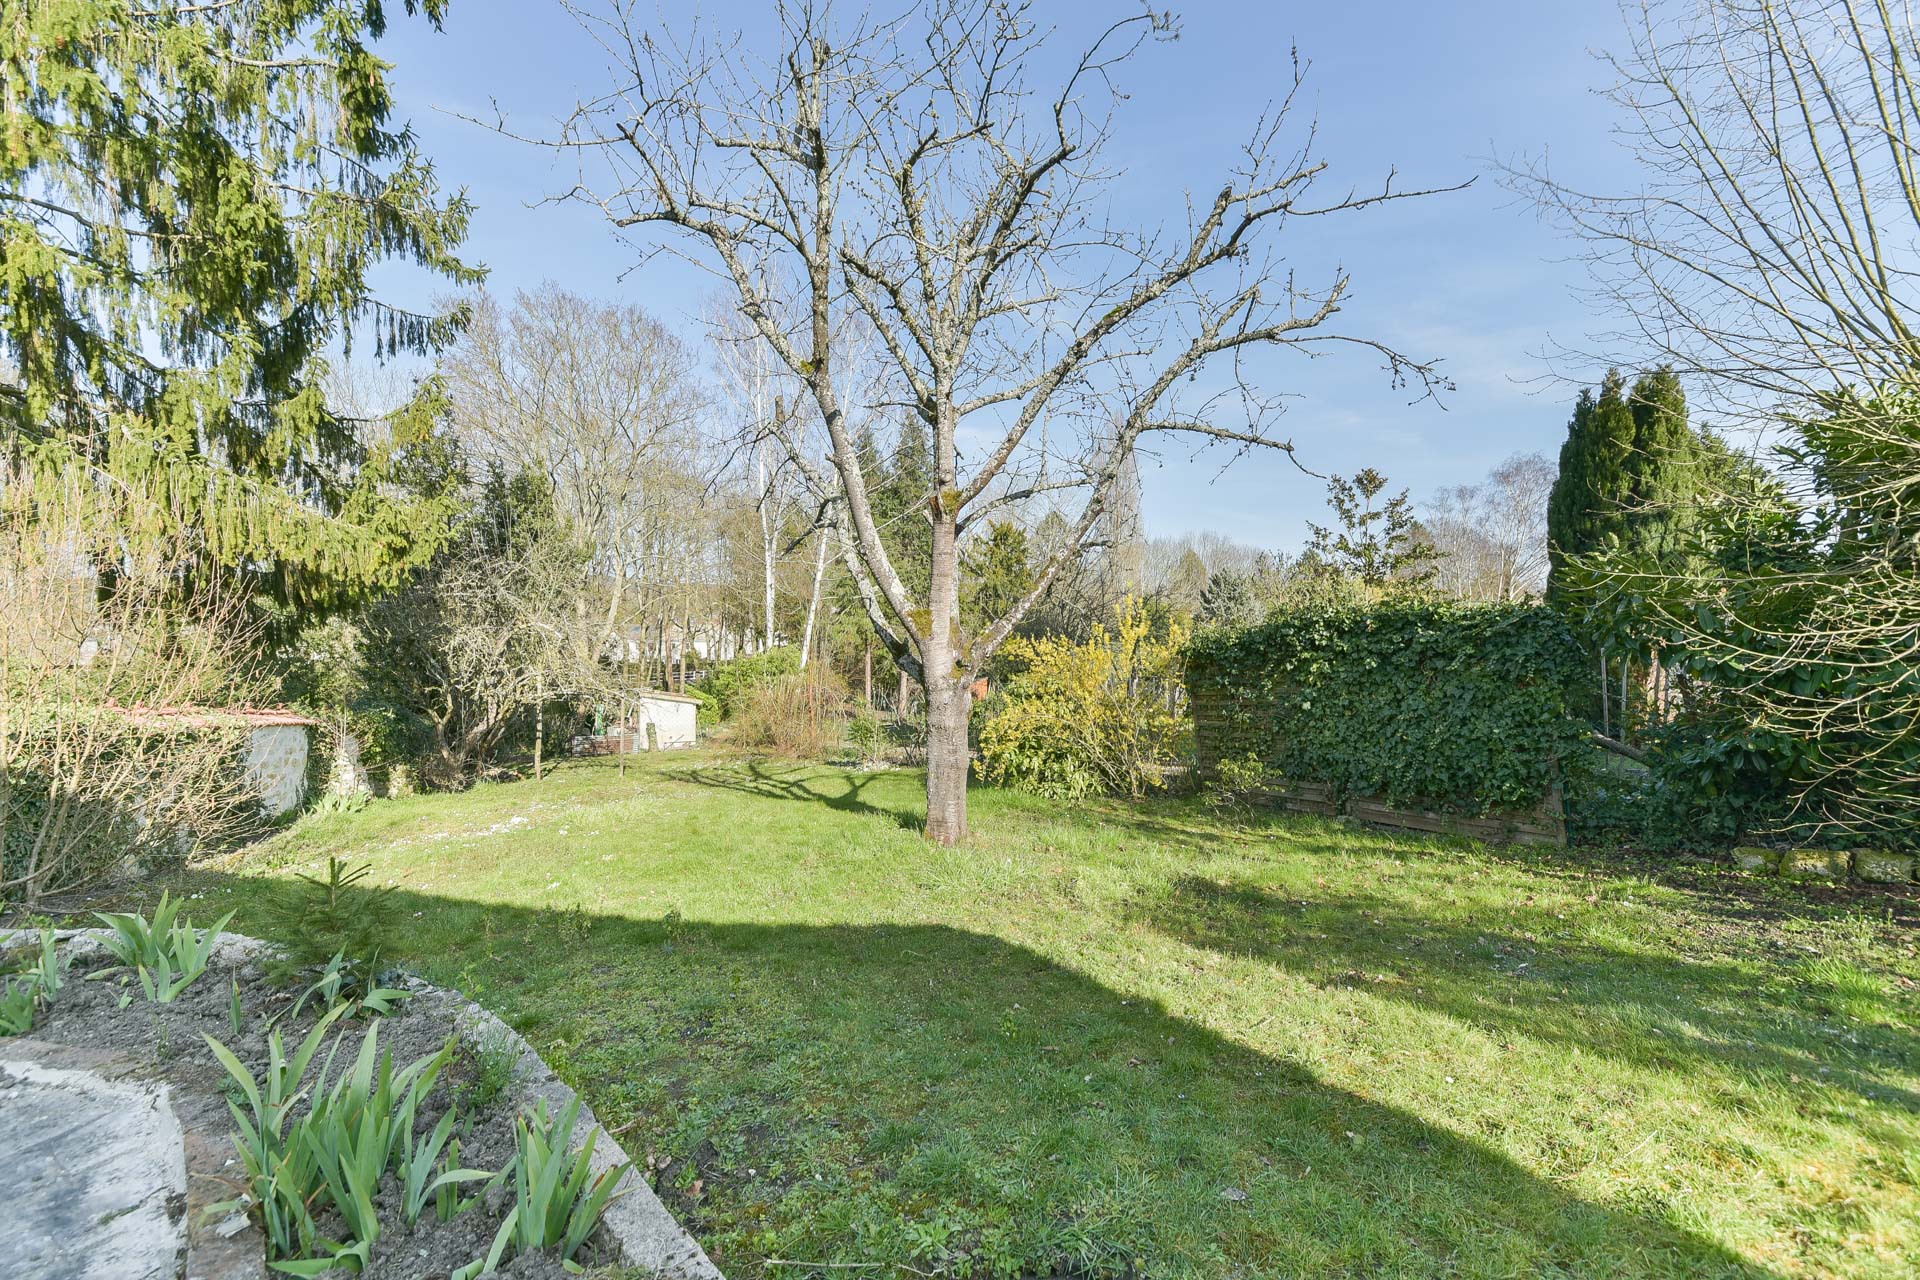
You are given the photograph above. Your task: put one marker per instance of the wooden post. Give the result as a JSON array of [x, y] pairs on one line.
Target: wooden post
[[867, 667], [1625, 720], [1606, 723], [539, 719]]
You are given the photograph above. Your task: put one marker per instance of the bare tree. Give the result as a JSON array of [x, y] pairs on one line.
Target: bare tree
[[494, 631], [752, 387], [603, 402], [1492, 536], [913, 173], [1770, 250], [114, 748], [1161, 558]]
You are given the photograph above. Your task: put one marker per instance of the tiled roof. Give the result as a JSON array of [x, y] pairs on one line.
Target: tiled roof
[[258, 717]]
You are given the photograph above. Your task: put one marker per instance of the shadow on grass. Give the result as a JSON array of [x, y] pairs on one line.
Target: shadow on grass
[[785, 780], [918, 1094], [1656, 1011]]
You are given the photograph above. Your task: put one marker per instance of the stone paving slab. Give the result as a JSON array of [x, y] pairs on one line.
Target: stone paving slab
[[96, 1182]]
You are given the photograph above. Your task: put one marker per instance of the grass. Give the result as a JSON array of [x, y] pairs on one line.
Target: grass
[[1145, 1040]]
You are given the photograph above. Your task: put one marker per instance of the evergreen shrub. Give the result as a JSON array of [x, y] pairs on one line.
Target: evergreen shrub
[[1410, 700]]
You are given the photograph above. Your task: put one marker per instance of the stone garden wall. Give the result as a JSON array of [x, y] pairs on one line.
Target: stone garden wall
[[1870, 866], [277, 764]]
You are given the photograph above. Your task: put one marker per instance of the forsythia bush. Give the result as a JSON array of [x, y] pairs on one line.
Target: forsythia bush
[[1095, 717]]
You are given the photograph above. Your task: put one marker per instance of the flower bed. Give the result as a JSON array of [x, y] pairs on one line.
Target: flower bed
[[481, 1087]]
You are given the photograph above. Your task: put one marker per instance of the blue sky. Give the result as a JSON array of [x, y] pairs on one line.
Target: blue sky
[[1434, 89]]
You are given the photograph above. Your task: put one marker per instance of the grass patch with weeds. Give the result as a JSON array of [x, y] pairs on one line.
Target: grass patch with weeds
[[1151, 1040]]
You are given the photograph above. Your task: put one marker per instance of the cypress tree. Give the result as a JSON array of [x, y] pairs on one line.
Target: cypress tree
[[1661, 479], [1588, 504], [1631, 473]]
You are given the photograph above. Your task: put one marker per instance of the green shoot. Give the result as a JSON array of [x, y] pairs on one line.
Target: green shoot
[[167, 953], [557, 1200]]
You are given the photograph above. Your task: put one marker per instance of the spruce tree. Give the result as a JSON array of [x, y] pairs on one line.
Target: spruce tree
[[901, 507], [866, 447], [1378, 545], [999, 574], [192, 201], [1229, 601]]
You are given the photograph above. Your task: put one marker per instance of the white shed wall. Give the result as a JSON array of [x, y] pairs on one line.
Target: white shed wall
[[673, 722]]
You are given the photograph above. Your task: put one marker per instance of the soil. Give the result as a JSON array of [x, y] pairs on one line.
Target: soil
[[103, 1008]]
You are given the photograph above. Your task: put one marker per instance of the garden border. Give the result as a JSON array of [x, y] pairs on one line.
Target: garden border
[[1861, 866], [642, 1228], [1544, 824]]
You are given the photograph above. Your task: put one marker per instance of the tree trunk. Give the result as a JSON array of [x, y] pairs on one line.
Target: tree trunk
[[769, 525], [1625, 663], [949, 700], [1606, 720], [813, 601], [539, 724], [867, 671], [947, 761]]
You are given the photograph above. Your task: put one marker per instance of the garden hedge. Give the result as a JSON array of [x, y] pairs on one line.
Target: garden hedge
[[1415, 702]]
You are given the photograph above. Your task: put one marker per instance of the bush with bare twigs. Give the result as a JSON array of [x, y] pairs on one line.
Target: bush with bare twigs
[[108, 756], [802, 714]]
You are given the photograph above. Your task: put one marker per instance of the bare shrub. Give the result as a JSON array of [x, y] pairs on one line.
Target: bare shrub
[[802, 715], [105, 759]]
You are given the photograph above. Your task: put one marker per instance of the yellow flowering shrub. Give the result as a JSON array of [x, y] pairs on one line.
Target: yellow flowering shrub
[[1100, 716]]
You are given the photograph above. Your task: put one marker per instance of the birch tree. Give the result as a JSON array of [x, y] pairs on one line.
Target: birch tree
[[1492, 536], [940, 179]]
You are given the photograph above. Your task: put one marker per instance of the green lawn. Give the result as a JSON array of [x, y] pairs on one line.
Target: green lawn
[[1124, 1040]]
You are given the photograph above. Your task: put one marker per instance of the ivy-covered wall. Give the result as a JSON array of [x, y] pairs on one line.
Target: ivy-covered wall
[[1415, 702]]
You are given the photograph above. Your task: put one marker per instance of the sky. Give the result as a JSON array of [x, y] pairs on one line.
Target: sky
[[1438, 91]]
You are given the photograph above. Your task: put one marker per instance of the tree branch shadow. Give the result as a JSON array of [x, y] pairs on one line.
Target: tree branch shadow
[[835, 789], [1655, 1011]]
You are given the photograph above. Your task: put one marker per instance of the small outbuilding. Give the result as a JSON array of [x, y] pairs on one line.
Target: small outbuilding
[[278, 743], [648, 720], [663, 721]]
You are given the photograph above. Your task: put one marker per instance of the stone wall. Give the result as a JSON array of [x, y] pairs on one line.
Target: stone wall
[[277, 765], [1873, 866]]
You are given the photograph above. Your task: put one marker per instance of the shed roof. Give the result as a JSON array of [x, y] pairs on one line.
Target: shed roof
[[255, 717], [642, 695]]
